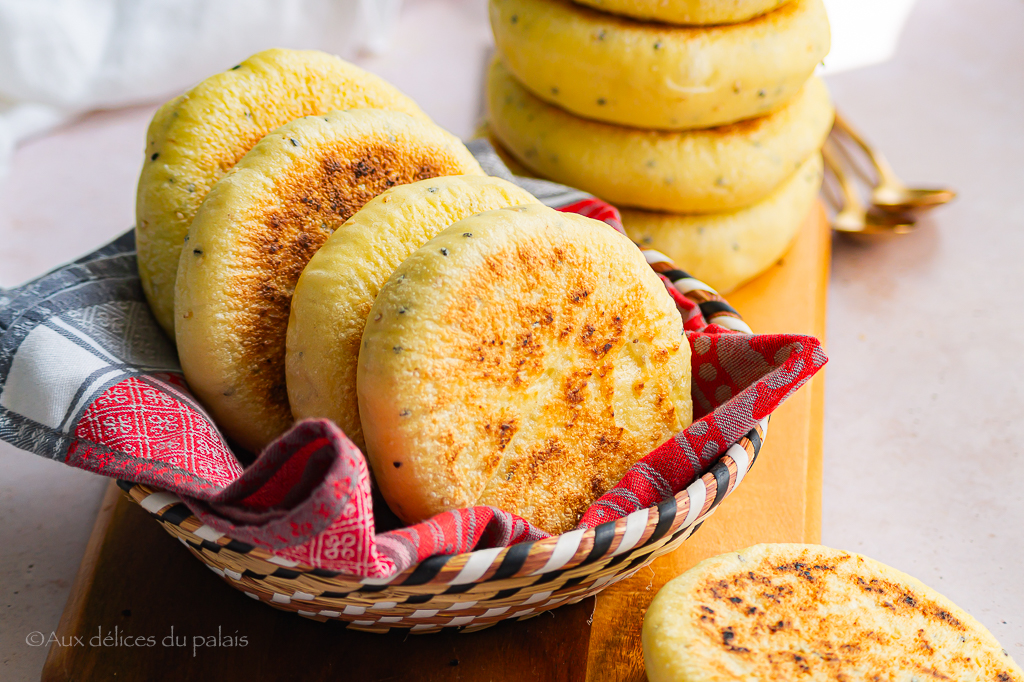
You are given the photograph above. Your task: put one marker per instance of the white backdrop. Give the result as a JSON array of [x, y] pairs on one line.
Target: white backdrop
[[59, 58]]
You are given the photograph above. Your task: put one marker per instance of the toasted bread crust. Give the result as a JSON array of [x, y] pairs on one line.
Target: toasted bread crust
[[523, 359], [255, 233], [337, 288], [807, 612], [199, 136]]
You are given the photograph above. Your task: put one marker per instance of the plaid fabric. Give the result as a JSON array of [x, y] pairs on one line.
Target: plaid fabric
[[88, 378]]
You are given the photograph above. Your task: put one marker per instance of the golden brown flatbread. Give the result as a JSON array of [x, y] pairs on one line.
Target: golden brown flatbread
[[725, 250], [651, 75], [695, 171], [808, 612], [338, 286], [256, 231], [523, 358], [196, 138]]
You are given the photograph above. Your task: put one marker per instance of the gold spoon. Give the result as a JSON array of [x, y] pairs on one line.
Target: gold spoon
[[851, 216], [891, 193]]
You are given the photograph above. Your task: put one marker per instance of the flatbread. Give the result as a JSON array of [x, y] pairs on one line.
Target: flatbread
[[341, 281], [256, 231], [523, 358], [648, 75], [196, 138], [697, 171], [688, 12], [726, 250], [808, 612]]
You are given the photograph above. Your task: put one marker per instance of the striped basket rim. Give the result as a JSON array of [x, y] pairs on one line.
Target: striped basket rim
[[558, 553], [617, 548]]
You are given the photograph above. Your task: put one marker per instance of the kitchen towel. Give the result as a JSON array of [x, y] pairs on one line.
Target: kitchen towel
[[89, 379]]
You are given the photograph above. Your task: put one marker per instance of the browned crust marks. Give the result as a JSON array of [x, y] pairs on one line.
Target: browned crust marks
[[588, 452], [313, 201], [771, 618]]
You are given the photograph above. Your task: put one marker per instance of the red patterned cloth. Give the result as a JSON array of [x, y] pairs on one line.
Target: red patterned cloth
[[149, 430], [308, 496], [86, 377]]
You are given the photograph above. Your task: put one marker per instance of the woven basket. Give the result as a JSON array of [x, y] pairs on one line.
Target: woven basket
[[476, 589]]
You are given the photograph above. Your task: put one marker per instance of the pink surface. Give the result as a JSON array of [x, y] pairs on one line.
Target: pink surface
[[924, 441]]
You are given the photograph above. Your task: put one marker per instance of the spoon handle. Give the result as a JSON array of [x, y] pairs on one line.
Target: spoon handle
[[886, 174], [851, 201]]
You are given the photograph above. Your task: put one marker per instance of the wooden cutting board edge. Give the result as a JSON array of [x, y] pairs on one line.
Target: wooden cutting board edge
[[788, 471], [57, 666], [812, 258]]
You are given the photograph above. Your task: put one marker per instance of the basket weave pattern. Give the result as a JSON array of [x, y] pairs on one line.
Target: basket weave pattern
[[475, 590], [472, 590], [86, 325]]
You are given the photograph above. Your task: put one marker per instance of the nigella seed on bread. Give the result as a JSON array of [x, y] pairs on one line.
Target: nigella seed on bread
[[808, 612], [257, 230], [523, 358], [709, 170], [725, 250], [334, 294], [650, 75], [197, 137]]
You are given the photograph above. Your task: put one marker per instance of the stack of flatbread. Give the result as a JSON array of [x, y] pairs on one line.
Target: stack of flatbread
[[318, 248], [700, 118]]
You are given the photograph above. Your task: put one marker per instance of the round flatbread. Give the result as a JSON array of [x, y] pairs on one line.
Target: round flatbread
[[341, 281], [523, 358], [646, 75], [256, 231], [697, 171], [196, 138], [726, 250], [688, 12], [807, 612]]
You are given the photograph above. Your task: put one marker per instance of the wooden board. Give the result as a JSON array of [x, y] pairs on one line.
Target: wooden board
[[135, 581], [780, 499]]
